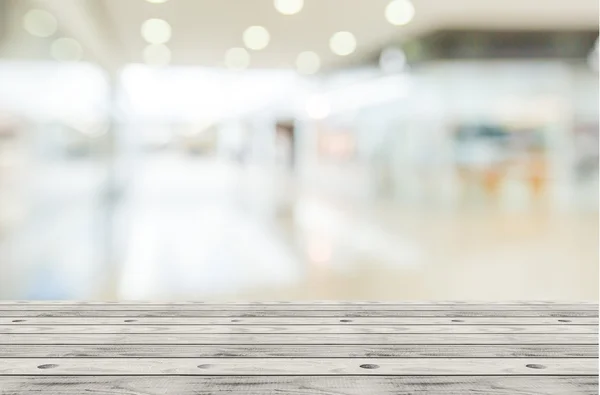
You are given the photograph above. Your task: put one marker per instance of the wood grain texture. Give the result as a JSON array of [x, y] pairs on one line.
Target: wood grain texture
[[299, 366], [175, 312], [296, 385], [297, 351], [295, 307], [299, 321], [294, 329], [403, 338], [300, 302], [321, 348]]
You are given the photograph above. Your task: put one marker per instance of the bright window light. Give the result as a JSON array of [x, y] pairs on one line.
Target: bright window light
[[318, 107]]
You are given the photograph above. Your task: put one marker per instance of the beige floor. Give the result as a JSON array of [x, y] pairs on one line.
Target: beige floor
[[208, 231]]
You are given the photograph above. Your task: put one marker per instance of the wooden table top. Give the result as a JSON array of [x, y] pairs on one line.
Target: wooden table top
[[325, 348]]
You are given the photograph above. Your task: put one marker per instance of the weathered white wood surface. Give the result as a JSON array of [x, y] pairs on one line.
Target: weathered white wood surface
[[293, 329], [301, 385], [281, 338], [299, 348], [300, 321]]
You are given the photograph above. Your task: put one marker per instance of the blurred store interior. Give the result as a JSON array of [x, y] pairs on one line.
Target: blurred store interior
[[299, 150]]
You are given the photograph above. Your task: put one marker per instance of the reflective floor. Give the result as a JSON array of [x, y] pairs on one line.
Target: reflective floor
[[190, 229]]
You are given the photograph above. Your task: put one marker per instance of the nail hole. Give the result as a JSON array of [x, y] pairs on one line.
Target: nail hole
[[205, 366], [130, 320], [345, 320], [18, 320], [369, 366], [535, 366], [47, 366], [458, 321], [564, 320], [235, 320]]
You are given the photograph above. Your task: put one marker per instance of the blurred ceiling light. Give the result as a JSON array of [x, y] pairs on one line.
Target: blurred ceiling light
[[157, 55], [156, 31], [289, 7], [308, 63], [157, 1], [342, 43], [318, 107], [256, 37], [66, 50], [392, 60], [40, 23], [399, 12], [237, 59]]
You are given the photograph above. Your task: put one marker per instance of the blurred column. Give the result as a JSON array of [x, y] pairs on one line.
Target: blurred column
[[111, 198]]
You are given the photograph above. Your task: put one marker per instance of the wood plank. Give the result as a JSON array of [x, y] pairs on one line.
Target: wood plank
[[292, 307], [299, 366], [293, 329], [300, 321], [298, 351], [298, 313], [295, 385], [281, 338], [303, 303]]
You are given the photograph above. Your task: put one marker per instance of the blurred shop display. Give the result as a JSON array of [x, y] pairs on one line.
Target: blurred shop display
[[486, 155], [481, 156]]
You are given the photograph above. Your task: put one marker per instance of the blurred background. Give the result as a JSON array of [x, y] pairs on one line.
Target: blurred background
[[299, 150]]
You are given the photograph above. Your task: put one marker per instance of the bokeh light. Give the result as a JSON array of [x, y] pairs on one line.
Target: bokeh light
[[40, 23], [289, 7], [156, 31], [342, 43], [256, 38], [399, 12]]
